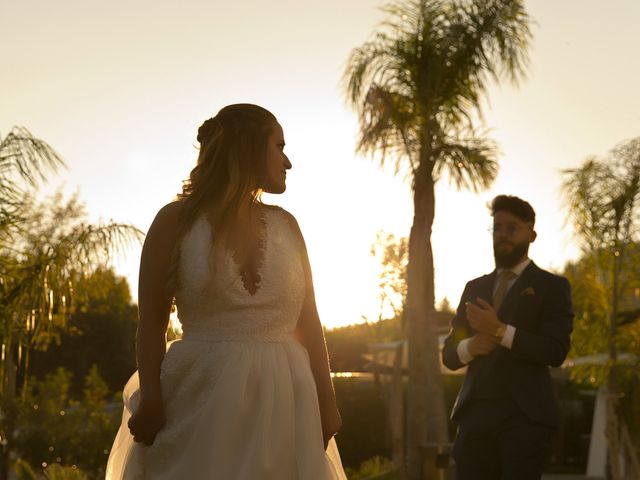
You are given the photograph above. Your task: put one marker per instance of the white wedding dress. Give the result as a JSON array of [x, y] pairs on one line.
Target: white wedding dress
[[240, 400]]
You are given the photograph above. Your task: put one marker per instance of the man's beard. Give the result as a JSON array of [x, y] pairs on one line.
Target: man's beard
[[510, 259]]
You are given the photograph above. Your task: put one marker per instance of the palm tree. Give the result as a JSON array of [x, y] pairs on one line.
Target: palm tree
[[416, 87], [45, 250], [603, 198], [24, 162]]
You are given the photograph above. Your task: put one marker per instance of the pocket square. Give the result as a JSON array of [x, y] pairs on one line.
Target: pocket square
[[528, 291]]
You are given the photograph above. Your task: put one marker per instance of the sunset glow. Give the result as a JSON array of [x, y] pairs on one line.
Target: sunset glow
[[119, 90]]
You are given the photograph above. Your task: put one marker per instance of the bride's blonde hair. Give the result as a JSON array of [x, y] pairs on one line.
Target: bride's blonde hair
[[230, 166]]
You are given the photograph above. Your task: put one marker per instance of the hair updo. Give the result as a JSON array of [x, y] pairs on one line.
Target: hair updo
[[206, 129]]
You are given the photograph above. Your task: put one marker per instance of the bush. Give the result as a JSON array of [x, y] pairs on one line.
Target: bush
[[57, 430], [377, 468], [58, 472]]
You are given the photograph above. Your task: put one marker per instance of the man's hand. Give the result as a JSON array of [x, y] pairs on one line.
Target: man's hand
[[482, 317], [482, 344]]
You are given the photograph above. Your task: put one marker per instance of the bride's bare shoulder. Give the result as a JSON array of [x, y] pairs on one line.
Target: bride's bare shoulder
[[171, 210], [166, 220]]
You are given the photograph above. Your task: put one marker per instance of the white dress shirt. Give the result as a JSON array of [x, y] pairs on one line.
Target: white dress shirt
[[510, 332]]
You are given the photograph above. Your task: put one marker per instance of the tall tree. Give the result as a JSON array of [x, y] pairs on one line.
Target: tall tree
[[603, 198], [25, 161], [45, 250], [393, 255], [417, 87], [101, 331]]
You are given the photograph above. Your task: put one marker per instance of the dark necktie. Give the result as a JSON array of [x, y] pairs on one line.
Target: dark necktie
[[501, 290]]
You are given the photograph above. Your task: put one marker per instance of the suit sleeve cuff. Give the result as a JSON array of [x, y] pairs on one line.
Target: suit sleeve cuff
[[507, 339], [463, 351]]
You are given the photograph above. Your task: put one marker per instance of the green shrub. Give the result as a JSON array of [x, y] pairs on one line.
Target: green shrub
[[376, 468], [57, 430], [58, 472]]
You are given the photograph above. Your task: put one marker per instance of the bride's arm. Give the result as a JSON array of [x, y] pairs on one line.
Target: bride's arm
[[310, 334], [154, 307]]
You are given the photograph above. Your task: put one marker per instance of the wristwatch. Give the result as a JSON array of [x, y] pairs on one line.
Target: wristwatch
[[501, 330]]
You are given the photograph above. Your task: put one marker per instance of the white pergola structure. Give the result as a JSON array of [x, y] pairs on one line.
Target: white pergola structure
[[597, 459]]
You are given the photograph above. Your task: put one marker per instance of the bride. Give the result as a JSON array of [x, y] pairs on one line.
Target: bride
[[246, 393]]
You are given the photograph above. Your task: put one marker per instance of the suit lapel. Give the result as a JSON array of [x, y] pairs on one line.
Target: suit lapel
[[485, 288], [521, 283]]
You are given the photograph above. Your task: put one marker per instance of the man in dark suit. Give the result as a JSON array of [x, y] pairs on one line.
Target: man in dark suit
[[511, 325]]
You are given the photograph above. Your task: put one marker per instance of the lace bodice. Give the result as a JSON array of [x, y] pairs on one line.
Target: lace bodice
[[212, 300], [239, 396]]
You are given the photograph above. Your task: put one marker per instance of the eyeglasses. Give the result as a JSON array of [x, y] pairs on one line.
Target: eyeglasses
[[509, 228]]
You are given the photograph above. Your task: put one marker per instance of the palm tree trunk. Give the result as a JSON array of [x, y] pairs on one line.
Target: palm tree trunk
[[426, 411], [8, 404], [612, 425], [396, 415], [437, 431]]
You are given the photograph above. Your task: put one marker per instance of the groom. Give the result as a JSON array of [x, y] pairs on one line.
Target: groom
[[511, 325]]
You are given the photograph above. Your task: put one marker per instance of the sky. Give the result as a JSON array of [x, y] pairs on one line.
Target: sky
[[119, 89]]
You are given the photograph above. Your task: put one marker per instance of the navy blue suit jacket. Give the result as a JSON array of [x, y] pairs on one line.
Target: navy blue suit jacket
[[538, 305]]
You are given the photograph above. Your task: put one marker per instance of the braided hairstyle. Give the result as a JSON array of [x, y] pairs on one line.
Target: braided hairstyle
[[230, 166]]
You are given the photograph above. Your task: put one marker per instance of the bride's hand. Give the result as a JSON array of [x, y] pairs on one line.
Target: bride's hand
[[331, 424], [146, 422]]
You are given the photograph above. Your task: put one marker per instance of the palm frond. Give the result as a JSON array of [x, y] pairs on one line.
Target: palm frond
[[385, 122], [419, 81], [486, 40], [469, 162], [24, 161], [377, 62], [26, 156], [625, 161], [98, 244], [586, 190], [52, 253]]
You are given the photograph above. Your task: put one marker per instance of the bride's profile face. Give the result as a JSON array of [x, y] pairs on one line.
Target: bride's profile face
[[276, 162]]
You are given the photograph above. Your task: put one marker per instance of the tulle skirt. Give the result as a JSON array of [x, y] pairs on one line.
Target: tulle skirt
[[234, 411]]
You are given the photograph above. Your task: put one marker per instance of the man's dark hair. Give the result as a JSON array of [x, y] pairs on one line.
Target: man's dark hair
[[514, 205]]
